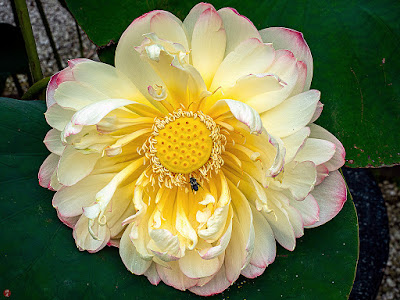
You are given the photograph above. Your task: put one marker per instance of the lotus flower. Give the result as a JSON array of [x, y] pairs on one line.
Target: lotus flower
[[196, 152]]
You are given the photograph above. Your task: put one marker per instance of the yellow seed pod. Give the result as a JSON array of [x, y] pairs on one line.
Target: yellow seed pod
[[184, 145]]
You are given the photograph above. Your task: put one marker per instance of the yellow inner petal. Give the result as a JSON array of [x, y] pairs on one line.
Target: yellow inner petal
[[184, 145]]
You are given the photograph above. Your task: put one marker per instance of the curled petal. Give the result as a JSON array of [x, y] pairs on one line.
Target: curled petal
[[244, 114], [70, 200], [212, 252], [85, 240], [129, 62], [92, 114]]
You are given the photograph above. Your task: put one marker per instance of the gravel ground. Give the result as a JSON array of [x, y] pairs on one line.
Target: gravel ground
[[390, 287], [65, 35], [66, 38]]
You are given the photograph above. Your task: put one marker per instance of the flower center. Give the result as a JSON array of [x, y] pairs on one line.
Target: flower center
[[184, 145]]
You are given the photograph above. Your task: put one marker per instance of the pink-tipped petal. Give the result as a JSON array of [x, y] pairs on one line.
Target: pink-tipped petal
[[169, 29], [113, 243], [308, 208], [251, 271], [208, 44], [317, 112], [284, 66], [338, 158], [129, 255], [265, 245], [173, 276], [218, 284], [285, 38], [322, 173], [51, 89], [60, 77], [301, 79], [238, 28], [47, 169], [53, 142], [69, 221], [192, 18], [331, 195], [152, 275], [316, 150], [73, 62], [65, 75]]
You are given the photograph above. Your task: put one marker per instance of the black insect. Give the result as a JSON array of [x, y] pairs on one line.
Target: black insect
[[193, 184]]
